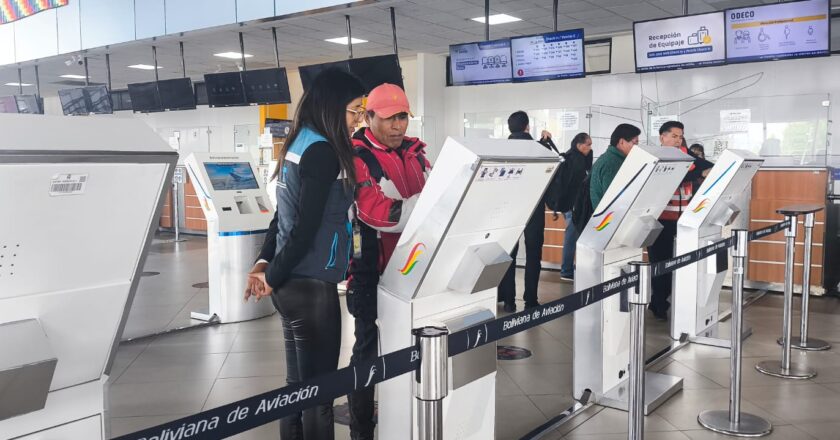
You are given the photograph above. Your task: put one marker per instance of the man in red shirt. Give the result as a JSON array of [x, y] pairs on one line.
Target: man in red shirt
[[391, 170]]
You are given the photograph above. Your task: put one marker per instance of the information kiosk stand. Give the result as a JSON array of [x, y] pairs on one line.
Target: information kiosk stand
[[81, 201], [696, 291], [238, 212], [451, 256], [622, 225]]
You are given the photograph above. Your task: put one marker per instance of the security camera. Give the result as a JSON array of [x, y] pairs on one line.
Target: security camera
[[80, 62]]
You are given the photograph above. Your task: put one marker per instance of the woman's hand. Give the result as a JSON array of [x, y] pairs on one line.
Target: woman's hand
[[254, 286], [262, 288]]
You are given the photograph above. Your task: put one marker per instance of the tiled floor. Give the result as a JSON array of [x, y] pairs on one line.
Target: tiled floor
[[158, 379]]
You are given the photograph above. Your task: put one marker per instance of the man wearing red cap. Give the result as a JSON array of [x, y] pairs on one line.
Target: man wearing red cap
[[391, 170]]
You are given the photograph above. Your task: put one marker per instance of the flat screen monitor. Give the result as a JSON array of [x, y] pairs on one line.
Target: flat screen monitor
[[266, 86], [557, 55], [145, 97], [98, 100], [484, 62], [8, 104], [308, 73], [73, 101], [201, 93], [374, 71], [176, 94], [29, 104], [231, 176], [225, 89], [778, 31], [121, 100], [680, 42]]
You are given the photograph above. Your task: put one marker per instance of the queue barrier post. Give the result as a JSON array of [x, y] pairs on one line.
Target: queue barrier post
[[803, 342], [787, 369], [638, 300], [431, 380], [734, 422]]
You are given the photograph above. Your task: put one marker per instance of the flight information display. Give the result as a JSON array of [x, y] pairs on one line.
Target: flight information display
[[556, 55], [485, 62], [783, 30], [680, 42], [231, 176]]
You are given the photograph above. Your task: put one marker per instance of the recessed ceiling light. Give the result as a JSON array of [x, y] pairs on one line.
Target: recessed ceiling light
[[498, 19], [232, 55], [143, 67], [18, 84], [343, 40], [73, 76]]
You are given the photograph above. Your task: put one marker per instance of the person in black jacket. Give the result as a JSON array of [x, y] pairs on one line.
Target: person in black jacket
[[519, 126], [578, 164]]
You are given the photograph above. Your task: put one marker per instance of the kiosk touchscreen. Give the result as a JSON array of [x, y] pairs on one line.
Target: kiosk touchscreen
[[238, 213], [451, 256], [697, 286], [81, 200], [622, 225]]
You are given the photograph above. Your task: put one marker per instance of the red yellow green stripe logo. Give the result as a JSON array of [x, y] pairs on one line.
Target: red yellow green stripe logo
[[701, 206], [415, 253], [12, 10], [604, 223]]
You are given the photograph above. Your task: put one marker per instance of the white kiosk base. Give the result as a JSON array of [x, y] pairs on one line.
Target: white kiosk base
[[454, 251], [623, 223]]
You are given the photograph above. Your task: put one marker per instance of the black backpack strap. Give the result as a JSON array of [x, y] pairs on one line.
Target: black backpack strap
[[373, 165]]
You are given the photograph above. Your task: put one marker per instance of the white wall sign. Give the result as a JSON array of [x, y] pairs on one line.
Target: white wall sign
[[569, 121], [674, 43], [737, 120], [657, 121]]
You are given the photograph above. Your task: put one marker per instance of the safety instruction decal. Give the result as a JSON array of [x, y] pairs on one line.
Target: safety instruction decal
[[68, 184], [501, 172]]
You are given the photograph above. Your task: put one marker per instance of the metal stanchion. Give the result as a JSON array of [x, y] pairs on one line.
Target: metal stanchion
[[431, 381], [177, 180], [639, 300], [805, 343], [786, 369], [734, 422]]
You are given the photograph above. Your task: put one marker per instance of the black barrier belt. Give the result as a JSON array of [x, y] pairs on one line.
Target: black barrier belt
[[770, 230], [246, 414], [671, 265], [492, 331]]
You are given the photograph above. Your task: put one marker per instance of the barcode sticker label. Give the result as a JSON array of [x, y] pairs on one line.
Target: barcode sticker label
[[68, 184]]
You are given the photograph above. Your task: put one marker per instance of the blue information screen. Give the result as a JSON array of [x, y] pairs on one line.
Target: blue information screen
[[231, 176]]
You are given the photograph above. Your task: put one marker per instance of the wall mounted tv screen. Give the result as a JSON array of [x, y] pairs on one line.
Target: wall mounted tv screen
[[680, 42], [778, 31], [176, 94], [556, 55], [484, 62], [373, 71], [145, 97], [225, 89], [266, 86]]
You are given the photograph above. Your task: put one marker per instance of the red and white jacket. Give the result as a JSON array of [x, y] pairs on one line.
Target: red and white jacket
[[680, 198], [388, 184]]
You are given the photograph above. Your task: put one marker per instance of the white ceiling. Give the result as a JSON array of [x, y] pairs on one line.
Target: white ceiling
[[422, 26]]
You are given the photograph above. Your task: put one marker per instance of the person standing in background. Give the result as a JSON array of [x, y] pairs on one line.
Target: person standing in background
[[519, 126], [623, 139], [577, 166]]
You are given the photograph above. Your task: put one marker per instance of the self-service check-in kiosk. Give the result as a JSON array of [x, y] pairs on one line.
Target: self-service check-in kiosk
[[622, 225], [81, 199], [696, 291], [451, 256], [238, 212]]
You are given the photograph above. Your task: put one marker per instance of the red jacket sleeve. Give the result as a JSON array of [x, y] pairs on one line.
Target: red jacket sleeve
[[376, 209]]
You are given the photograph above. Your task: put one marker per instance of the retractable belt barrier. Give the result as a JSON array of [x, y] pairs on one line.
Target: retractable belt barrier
[[249, 413]]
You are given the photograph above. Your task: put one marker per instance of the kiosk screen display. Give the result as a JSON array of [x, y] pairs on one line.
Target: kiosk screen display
[[229, 176], [784, 30], [679, 42], [556, 55], [485, 62]]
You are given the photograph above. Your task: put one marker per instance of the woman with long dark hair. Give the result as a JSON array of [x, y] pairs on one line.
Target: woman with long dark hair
[[315, 178]]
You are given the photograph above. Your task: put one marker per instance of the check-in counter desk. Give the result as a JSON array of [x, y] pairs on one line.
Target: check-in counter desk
[[773, 188], [192, 217]]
